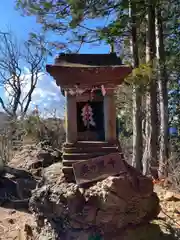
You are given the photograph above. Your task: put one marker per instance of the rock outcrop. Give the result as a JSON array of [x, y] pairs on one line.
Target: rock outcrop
[[102, 209], [118, 207], [23, 173], [34, 158]]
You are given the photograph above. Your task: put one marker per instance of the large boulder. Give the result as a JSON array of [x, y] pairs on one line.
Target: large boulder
[[103, 208]]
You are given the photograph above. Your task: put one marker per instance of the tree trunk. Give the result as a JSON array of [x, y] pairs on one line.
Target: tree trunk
[[137, 111], [151, 131], [163, 97]]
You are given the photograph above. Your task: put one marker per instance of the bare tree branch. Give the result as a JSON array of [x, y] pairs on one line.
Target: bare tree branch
[[4, 107], [13, 60]]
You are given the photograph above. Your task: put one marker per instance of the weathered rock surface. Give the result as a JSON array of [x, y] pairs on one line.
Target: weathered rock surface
[[34, 158], [103, 208], [24, 187], [158, 230]]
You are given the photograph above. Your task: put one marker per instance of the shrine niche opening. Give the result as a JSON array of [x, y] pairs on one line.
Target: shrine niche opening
[[90, 128]]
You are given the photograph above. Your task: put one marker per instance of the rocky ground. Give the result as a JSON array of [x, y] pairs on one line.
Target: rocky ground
[[17, 223], [170, 204], [20, 225]]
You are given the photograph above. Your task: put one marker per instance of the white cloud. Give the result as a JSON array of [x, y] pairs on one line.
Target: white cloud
[[47, 95]]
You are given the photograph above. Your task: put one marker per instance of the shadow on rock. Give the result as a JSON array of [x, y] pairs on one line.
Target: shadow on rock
[[15, 189], [152, 231], [23, 173]]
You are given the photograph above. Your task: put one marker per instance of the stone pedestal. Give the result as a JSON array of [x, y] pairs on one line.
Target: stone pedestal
[[110, 206]]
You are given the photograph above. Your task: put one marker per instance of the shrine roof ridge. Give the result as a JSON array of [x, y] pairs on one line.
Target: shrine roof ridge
[[88, 60], [99, 69]]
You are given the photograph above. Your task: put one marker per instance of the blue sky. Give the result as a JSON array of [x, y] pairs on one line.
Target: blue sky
[[22, 26], [46, 94], [10, 18]]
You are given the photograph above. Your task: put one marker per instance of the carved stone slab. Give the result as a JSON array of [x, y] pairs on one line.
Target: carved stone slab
[[98, 168]]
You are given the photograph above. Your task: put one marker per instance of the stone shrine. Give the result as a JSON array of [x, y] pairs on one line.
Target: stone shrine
[[106, 196], [88, 82]]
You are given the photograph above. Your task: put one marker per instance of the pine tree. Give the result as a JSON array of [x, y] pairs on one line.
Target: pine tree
[[137, 98], [163, 95]]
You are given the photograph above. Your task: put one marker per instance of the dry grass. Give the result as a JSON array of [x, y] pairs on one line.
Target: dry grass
[[29, 131]]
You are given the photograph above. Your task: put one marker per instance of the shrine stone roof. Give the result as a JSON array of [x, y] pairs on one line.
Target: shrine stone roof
[[88, 60], [88, 69]]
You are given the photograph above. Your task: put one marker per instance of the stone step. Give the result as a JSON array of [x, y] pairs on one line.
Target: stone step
[[82, 156], [89, 144], [90, 149], [72, 160], [69, 163]]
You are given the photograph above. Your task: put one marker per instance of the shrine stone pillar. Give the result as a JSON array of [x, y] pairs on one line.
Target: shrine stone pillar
[[109, 116], [71, 119]]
